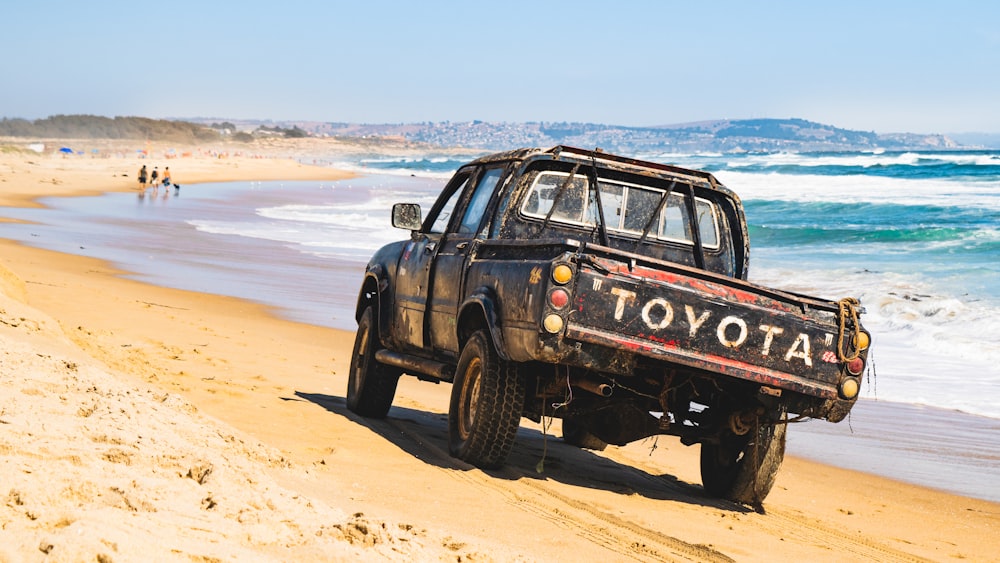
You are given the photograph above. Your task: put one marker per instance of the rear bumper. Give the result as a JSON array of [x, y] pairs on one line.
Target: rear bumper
[[723, 366]]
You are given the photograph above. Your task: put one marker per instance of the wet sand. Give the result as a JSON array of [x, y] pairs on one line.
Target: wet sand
[[279, 384], [943, 449]]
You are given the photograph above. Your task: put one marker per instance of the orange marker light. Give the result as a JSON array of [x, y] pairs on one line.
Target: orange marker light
[[561, 274], [863, 340]]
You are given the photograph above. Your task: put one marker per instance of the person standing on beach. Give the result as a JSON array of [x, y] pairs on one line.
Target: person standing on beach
[[166, 177], [154, 178], [142, 177]]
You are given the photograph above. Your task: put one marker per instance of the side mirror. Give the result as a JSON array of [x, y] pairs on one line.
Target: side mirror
[[406, 216]]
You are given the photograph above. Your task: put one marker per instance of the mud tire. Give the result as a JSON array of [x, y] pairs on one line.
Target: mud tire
[[743, 468], [487, 399], [371, 386]]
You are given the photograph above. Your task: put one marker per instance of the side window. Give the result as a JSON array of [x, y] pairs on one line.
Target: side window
[[708, 227], [676, 225], [576, 204], [473, 215], [440, 223]]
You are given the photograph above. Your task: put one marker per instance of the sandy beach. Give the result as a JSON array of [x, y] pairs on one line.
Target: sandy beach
[[145, 423]]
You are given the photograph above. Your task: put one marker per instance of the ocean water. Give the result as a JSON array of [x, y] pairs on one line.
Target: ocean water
[[915, 236], [917, 240]]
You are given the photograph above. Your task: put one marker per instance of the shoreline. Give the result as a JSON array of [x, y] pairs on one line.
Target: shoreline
[[265, 376], [26, 176]]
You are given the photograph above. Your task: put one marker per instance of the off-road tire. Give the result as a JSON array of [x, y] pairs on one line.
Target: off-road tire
[[487, 399], [577, 435], [371, 386], [743, 468]]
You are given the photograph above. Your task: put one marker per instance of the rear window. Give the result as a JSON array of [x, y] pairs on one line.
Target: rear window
[[628, 208]]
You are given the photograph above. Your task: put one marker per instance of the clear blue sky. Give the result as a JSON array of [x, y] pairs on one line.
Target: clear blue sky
[[889, 66]]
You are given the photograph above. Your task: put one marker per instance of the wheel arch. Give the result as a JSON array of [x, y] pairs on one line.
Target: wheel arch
[[480, 312], [375, 293]]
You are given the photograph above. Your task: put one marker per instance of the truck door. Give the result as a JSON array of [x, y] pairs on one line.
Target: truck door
[[414, 269], [447, 283]]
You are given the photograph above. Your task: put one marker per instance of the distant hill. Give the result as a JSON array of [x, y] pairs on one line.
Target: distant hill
[[724, 135], [985, 140]]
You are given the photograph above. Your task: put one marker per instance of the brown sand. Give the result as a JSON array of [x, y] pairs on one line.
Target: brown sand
[[138, 422]]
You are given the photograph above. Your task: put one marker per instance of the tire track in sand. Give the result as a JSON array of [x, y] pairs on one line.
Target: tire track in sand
[[785, 524], [614, 533], [846, 544]]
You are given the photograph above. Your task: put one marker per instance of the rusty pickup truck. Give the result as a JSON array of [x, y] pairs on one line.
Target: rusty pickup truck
[[607, 292]]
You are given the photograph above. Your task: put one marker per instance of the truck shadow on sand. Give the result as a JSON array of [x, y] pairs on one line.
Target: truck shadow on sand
[[424, 435]]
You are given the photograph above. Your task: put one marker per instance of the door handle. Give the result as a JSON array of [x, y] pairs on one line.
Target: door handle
[[429, 249], [462, 245]]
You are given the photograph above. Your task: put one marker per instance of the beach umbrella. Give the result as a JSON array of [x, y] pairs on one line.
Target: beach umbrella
[[66, 150]]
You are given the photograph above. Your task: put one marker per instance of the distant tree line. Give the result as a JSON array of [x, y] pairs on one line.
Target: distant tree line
[[295, 132], [99, 127]]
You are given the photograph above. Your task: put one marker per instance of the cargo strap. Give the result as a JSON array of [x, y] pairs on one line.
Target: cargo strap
[[848, 320]]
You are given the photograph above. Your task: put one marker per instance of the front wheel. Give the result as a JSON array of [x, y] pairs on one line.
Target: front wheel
[[743, 468], [487, 398], [370, 385]]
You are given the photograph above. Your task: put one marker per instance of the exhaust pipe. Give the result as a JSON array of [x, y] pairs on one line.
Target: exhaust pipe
[[602, 389]]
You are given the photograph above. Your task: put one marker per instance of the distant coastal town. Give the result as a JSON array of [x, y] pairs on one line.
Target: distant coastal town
[[717, 136], [724, 136]]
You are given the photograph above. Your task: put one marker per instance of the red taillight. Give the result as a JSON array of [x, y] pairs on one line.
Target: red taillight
[[558, 298], [856, 366]]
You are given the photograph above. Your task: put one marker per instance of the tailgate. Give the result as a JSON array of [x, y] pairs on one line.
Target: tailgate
[[725, 326]]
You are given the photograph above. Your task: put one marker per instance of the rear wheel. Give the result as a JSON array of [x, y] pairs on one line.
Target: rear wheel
[[743, 468], [487, 398], [371, 386]]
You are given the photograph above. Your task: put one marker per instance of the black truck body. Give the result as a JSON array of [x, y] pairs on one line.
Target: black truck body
[[615, 289]]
